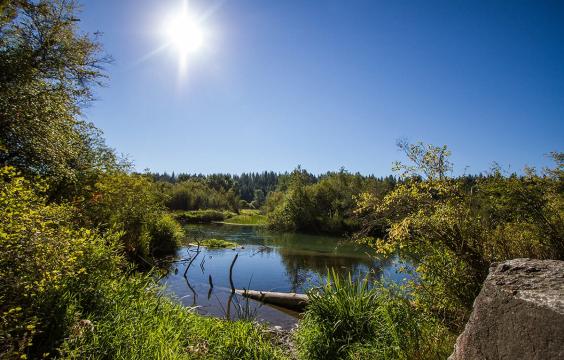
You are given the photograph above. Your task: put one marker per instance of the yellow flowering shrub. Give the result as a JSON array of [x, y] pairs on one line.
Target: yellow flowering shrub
[[48, 267]]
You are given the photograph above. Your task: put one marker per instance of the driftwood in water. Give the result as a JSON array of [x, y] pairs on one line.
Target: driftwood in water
[[231, 273], [192, 259], [292, 301]]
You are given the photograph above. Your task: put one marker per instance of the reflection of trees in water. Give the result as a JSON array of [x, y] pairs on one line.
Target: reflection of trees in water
[[263, 250], [300, 265], [302, 255]]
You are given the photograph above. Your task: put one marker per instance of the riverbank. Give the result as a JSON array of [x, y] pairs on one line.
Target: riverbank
[[247, 217]]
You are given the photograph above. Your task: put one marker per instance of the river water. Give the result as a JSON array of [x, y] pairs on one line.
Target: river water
[[268, 261]]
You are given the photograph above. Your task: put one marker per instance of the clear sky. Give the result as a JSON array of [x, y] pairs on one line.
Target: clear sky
[[332, 83]]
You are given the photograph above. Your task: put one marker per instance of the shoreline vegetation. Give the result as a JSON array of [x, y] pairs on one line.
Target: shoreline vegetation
[[80, 230], [246, 217], [215, 244]]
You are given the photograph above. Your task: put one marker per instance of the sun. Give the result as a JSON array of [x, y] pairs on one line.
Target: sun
[[184, 35]]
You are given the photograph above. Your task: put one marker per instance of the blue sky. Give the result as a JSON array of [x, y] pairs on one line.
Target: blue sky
[[333, 83]]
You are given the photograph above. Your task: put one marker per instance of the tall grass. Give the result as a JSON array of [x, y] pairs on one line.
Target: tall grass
[[349, 319], [134, 321], [247, 217]]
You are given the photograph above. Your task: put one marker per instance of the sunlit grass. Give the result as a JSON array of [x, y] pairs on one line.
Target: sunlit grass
[[348, 319], [247, 217], [134, 321], [217, 244], [202, 216]]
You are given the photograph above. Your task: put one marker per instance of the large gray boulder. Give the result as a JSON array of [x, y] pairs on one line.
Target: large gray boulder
[[519, 314]]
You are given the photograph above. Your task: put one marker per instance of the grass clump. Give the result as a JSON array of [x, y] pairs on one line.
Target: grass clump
[[202, 216], [134, 321], [217, 244], [347, 319], [247, 217]]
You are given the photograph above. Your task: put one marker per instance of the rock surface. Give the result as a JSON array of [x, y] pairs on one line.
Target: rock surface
[[519, 314]]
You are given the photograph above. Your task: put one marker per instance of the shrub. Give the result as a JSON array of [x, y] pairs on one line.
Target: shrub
[[453, 229], [64, 293], [166, 235], [126, 202], [196, 195], [326, 205], [50, 270], [347, 319]]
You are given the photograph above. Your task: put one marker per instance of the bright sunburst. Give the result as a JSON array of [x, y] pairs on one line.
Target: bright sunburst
[[184, 34]]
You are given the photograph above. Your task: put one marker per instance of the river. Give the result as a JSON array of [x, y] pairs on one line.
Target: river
[[268, 261]]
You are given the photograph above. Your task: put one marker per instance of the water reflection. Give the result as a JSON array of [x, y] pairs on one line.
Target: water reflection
[[267, 261], [302, 266]]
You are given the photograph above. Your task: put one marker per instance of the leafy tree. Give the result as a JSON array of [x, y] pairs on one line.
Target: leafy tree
[[259, 197], [132, 204], [453, 231], [427, 160], [321, 204], [197, 194], [47, 73], [295, 211]]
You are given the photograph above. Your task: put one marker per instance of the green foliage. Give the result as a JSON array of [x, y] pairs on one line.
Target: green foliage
[[50, 269], [128, 203], [427, 160], [46, 72], [453, 229], [64, 289], [166, 236], [247, 186], [217, 244], [135, 321], [202, 216], [197, 195], [324, 206], [347, 319], [247, 217], [259, 197], [295, 211]]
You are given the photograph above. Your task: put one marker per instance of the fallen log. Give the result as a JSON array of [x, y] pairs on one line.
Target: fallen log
[[293, 301]]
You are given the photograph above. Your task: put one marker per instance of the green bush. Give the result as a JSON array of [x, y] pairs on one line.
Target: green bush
[[454, 228], [51, 271], [326, 205], [64, 293], [126, 202], [347, 319], [166, 235]]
